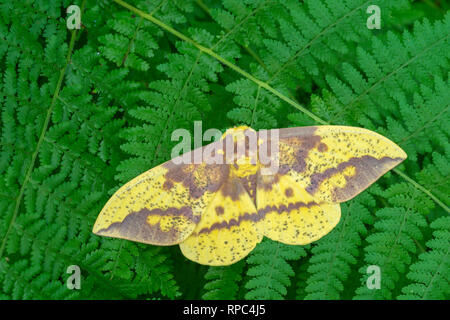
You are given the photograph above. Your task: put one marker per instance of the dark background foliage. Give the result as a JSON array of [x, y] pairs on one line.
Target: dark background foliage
[[84, 111]]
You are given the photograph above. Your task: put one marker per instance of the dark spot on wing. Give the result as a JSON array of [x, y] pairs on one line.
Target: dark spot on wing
[[168, 184], [219, 210], [289, 192], [232, 188], [322, 147]]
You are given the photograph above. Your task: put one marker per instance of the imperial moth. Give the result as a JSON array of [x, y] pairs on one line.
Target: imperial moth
[[218, 211]]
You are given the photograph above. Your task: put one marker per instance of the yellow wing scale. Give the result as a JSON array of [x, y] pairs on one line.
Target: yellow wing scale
[[218, 213]]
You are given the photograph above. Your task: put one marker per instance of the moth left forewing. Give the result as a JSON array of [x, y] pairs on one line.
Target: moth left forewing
[[335, 163], [163, 205]]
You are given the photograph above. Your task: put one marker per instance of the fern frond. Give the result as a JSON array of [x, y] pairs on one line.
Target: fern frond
[[430, 275], [270, 272], [392, 243], [223, 282], [333, 256]]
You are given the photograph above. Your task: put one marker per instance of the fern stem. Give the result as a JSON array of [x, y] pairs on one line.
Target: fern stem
[[427, 124], [254, 108], [130, 44], [239, 24], [419, 187], [434, 276], [211, 53], [41, 138], [252, 53], [421, 248]]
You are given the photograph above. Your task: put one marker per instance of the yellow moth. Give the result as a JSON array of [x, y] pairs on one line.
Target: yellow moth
[[218, 201]]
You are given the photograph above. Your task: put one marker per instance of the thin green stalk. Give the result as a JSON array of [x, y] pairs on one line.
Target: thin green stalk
[[419, 187], [41, 139]]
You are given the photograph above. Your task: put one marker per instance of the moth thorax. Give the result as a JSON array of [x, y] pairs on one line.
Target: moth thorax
[[243, 168], [241, 150]]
